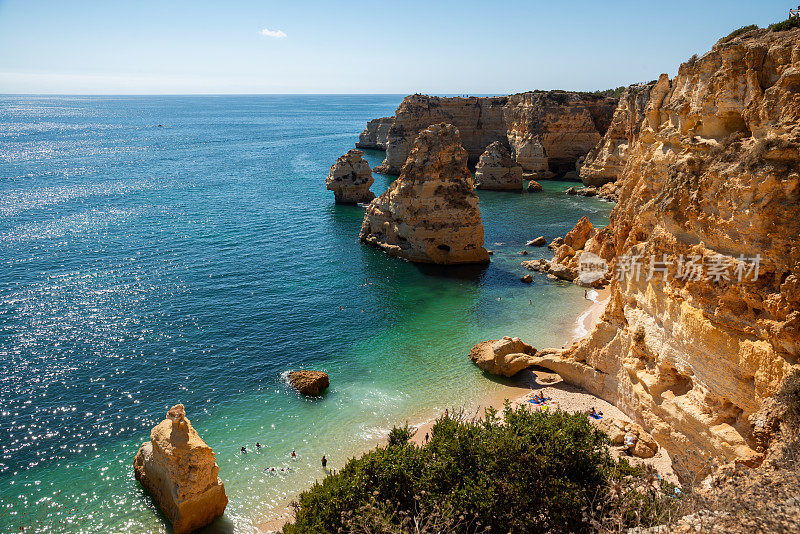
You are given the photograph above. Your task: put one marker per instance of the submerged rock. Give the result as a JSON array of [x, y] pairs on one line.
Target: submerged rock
[[430, 213], [309, 383], [497, 171], [350, 179], [180, 471], [505, 357]]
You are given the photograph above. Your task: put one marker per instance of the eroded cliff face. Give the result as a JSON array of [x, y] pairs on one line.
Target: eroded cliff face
[[713, 180], [604, 162], [547, 130], [430, 213], [375, 134]]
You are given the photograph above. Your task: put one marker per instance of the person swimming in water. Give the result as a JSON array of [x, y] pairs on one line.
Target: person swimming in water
[[244, 449], [324, 462], [258, 445], [294, 455]]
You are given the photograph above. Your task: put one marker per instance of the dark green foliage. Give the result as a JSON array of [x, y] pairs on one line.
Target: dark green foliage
[[738, 32], [401, 435], [534, 472], [789, 395], [788, 24]]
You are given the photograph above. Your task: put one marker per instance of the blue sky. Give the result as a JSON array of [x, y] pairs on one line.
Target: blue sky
[[177, 46]]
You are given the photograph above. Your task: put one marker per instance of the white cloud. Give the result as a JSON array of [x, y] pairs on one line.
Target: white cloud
[[275, 34]]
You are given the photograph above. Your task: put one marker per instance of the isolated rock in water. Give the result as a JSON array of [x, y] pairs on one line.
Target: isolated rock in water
[[538, 242], [571, 191], [604, 162], [430, 213], [527, 279], [534, 186], [309, 383], [587, 191], [505, 357], [497, 171], [350, 179], [180, 471], [617, 430], [376, 133]]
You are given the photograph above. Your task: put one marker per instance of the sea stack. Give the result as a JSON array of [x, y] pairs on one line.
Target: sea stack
[[180, 472], [497, 170], [309, 383], [430, 213], [350, 179]]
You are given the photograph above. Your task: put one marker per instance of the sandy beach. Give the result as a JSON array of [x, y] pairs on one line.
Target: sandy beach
[[562, 396]]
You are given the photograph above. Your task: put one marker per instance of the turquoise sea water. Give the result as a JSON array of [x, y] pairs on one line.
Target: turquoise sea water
[[197, 261]]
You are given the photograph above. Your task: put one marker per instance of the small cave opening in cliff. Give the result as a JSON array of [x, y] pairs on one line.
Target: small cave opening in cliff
[[446, 248]]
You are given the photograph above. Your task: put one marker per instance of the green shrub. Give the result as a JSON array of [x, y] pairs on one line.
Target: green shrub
[[401, 435], [534, 471], [788, 24], [738, 32]]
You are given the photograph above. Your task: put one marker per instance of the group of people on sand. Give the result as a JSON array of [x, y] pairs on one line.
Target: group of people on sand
[[539, 398], [594, 413]]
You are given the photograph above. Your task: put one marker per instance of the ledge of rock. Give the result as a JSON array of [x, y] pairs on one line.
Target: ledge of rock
[[430, 213], [350, 179], [309, 383], [497, 170], [505, 357], [180, 471]]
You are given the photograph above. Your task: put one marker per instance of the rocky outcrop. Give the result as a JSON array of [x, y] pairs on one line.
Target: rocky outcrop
[[584, 256], [505, 357], [350, 179], [534, 187], [430, 213], [711, 189], [309, 383], [605, 161], [180, 471], [497, 171], [547, 130], [630, 435], [376, 133]]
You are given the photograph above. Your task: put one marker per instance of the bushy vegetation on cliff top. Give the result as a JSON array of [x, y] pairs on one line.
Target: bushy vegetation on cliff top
[[529, 472]]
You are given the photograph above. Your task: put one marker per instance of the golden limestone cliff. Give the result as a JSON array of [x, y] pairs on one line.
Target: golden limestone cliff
[[430, 213], [710, 192], [604, 162], [547, 130]]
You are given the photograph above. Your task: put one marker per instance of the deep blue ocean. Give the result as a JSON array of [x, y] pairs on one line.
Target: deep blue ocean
[[157, 250]]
